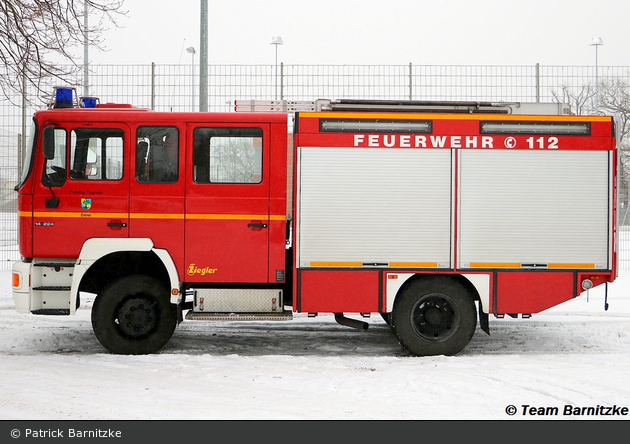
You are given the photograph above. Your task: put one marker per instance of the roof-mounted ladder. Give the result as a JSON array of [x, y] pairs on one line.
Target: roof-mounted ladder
[[411, 106]]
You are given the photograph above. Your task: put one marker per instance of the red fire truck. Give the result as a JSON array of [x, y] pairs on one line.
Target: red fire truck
[[433, 215]]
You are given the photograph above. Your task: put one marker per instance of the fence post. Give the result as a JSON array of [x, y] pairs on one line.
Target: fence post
[[281, 80], [203, 58], [153, 86], [410, 81], [22, 145], [537, 82]]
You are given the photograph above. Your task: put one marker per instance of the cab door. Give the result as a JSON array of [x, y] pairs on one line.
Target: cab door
[[227, 204], [157, 188], [83, 191]]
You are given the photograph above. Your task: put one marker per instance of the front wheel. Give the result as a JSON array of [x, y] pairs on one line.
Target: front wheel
[[434, 316], [134, 316]]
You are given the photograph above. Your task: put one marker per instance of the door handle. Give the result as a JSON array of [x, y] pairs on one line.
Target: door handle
[[116, 224], [257, 225]]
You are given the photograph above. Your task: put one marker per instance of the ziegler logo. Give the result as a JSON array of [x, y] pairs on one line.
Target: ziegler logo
[[193, 270]]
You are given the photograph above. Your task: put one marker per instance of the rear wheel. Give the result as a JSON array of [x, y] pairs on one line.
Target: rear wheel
[[134, 316], [434, 316]]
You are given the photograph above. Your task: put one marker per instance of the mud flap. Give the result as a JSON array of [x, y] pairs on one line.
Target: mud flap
[[483, 320]]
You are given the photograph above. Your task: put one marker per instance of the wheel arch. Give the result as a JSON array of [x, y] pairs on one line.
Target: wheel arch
[[477, 285], [435, 314], [102, 260]]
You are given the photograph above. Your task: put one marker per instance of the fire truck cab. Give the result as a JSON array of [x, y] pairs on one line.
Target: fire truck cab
[[433, 215]]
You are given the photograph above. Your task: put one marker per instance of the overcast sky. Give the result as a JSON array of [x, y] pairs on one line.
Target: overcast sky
[[427, 32]]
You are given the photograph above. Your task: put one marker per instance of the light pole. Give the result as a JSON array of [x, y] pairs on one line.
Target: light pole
[[597, 41], [192, 51], [86, 79], [276, 41]]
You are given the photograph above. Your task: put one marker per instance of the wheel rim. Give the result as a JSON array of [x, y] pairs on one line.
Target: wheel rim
[[435, 317], [137, 316]]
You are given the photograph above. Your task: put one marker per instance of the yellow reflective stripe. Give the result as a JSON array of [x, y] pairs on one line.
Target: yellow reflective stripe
[[369, 264], [495, 265], [95, 215], [82, 214], [560, 265], [446, 116], [235, 216], [336, 264], [156, 216], [517, 265], [414, 264]]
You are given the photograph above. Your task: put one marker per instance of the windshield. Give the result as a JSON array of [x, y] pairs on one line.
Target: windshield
[[27, 158]]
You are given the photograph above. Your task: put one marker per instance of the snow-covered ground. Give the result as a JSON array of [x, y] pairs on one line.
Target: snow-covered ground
[[575, 354]]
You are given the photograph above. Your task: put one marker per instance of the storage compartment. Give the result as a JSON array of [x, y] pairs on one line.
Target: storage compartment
[[532, 208], [386, 207], [221, 300]]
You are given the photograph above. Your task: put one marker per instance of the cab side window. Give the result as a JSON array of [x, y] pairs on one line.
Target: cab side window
[[157, 154], [96, 154], [55, 169], [227, 155]]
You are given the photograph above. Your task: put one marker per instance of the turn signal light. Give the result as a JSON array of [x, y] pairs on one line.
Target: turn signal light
[[16, 279]]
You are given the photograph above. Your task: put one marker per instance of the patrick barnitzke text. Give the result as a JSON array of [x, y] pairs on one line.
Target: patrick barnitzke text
[[71, 433]]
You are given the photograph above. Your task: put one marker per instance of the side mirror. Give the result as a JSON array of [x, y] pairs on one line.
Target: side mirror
[[49, 142]]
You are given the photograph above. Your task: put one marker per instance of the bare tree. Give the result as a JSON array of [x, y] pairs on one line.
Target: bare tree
[[580, 99], [614, 98], [38, 36]]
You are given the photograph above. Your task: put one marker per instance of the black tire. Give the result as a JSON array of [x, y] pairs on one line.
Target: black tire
[[134, 316], [434, 315]]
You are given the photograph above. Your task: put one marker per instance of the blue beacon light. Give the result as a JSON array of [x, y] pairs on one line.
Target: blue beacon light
[[89, 102], [63, 98]]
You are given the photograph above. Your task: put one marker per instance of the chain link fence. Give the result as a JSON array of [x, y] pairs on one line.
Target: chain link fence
[[176, 88]]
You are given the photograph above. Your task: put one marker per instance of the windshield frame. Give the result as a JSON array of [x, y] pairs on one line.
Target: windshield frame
[[29, 156]]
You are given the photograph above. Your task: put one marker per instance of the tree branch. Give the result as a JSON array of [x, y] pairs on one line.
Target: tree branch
[[34, 34]]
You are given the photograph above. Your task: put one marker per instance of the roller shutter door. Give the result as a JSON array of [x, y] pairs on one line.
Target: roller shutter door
[[390, 207], [534, 208]]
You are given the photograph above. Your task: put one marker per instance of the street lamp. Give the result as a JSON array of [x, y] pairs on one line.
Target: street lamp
[[192, 51], [276, 41], [597, 41]]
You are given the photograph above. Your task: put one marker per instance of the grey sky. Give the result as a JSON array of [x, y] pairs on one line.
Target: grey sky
[[433, 32]]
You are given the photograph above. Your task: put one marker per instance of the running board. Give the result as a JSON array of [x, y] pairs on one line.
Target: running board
[[197, 316], [52, 311]]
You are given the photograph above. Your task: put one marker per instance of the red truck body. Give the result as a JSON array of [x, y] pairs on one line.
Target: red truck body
[[433, 218]]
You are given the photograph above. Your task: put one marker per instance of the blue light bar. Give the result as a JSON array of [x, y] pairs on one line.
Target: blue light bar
[[63, 98], [89, 102]]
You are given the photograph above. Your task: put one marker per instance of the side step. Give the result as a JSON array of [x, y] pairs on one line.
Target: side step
[[52, 288], [56, 265], [197, 316], [52, 312], [51, 282]]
